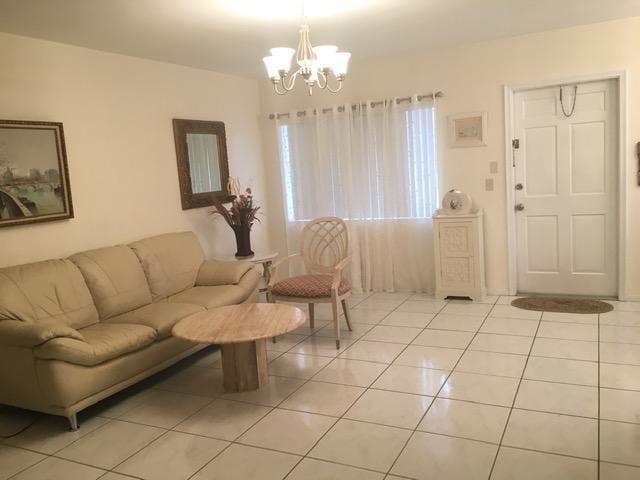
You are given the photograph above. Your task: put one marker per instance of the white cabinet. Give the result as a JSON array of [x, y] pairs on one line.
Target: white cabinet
[[459, 252]]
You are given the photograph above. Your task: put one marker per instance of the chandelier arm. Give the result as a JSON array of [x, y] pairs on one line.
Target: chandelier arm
[[322, 80], [337, 89], [292, 81]]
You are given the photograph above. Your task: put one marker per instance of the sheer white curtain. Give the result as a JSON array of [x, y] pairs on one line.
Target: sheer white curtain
[[376, 167]]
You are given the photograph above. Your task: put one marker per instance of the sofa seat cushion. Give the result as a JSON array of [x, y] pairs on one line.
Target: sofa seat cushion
[[308, 286], [102, 342], [211, 297], [161, 316]]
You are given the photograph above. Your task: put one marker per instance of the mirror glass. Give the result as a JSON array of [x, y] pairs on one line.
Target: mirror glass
[[204, 162]]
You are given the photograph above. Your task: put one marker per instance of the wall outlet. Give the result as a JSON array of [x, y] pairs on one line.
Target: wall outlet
[[488, 184], [493, 167]]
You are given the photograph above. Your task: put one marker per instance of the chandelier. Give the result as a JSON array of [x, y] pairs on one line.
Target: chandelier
[[318, 66]]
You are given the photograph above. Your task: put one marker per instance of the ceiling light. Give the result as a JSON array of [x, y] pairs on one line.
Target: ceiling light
[[318, 66]]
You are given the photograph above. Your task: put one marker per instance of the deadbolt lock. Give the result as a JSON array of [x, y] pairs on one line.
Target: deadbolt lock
[[519, 207], [519, 186]]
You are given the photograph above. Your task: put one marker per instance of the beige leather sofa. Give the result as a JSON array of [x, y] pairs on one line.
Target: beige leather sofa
[[74, 331]]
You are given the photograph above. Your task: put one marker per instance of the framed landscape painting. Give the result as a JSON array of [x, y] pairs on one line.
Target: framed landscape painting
[[34, 178]]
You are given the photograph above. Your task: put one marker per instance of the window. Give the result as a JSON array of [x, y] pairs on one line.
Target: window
[[369, 164]]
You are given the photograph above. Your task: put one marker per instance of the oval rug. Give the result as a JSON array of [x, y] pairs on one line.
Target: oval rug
[[562, 305]]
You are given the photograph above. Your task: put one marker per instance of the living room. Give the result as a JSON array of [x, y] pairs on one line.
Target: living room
[[137, 344]]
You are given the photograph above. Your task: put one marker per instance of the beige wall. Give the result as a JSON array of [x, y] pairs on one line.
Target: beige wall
[[472, 78], [117, 113]]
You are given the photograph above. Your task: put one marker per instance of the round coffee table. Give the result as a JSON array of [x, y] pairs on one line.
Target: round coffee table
[[241, 330]]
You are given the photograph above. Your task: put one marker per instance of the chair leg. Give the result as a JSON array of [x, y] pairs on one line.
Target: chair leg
[[270, 299], [312, 320], [336, 320], [73, 422], [346, 314]]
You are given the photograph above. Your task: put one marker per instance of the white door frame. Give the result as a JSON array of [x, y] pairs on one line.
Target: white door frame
[[622, 165]]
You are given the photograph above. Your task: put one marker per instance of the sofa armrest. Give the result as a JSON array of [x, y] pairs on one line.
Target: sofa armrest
[[215, 272], [23, 334]]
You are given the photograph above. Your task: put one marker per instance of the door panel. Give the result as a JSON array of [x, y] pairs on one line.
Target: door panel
[[567, 230]]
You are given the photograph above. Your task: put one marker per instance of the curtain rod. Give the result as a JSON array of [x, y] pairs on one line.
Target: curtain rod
[[302, 113]]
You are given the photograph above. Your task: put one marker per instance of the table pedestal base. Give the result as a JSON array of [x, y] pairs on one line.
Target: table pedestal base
[[244, 366]]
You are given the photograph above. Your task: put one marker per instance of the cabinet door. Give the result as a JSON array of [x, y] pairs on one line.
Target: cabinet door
[[457, 272], [456, 239]]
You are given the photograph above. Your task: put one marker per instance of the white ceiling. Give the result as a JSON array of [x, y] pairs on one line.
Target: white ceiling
[[233, 35]]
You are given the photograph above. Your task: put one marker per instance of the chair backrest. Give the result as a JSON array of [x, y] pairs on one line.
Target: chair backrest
[[324, 243]]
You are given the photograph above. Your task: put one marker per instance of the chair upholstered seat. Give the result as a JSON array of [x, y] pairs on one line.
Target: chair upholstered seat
[[308, 286]]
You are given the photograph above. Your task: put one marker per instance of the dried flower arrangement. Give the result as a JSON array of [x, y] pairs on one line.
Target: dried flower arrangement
[[240, 216], [243, 210]]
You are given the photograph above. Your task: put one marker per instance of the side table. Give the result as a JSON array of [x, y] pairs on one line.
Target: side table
[[265, 259]]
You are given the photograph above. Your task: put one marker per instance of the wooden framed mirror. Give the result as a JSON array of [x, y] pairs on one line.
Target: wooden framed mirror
[[203, 169]]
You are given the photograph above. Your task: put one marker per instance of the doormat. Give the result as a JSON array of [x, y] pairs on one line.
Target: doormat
[[562, 305]]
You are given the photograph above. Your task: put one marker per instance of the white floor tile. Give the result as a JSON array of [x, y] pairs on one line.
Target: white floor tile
[[421, 381], [612, 471], [173, 456], [586, 318], [474, 421], [626, 377], [407, 319], [625, 353], [480, 388], [385, 333], [460, 323], [563, 371], [558, 398], [14, 460], [429, 357], [509, 311], [288, 431], [422, 306], [470, 308], [621, 318], [568, 331], [55, 469], [311, 469], [514, 463], [223, 419], [620, 442], [165, 409], [443, 338], [569, 349], [510, 326], [240, 462], [491, 363], [490, 342], [429, 456], [350, 372], [321, 346], [286, 342], [549, 432], [361, 445], [271, 394], [298, 366], [620, 405], [390, 408], [323, 398], [611, 333], [106, 448], [381, 352]]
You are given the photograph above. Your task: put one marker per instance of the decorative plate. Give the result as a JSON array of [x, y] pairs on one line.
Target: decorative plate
[[456, 202]]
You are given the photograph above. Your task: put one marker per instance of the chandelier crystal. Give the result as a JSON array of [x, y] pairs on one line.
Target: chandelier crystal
[[318, 66]]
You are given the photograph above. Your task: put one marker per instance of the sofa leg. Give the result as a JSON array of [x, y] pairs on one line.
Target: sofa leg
[[73, 422]]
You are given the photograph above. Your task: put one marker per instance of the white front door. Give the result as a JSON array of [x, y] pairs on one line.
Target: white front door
[[566, 190]]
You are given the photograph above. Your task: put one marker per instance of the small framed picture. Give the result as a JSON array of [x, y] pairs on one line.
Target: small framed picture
[[468, 130], [34, 178]]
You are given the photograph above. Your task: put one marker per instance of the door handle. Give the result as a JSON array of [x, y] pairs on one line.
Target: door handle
[[519, 207]]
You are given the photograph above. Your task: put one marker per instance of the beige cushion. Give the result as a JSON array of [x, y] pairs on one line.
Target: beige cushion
[[160, 316], [50, 291], [211, 297], [171, 262], [115, 278], [215, 272], [102, 342]]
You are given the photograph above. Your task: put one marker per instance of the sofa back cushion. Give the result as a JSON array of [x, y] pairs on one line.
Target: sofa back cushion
[[171, 262], [115, 279], [52, 291]]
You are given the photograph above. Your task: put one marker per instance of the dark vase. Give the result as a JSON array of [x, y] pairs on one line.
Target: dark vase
[[243, 240]]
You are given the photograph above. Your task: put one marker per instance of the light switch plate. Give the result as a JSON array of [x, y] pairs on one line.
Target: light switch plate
[[488, 184], [493, 167]]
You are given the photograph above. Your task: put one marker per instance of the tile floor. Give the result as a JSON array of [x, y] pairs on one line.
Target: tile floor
[[420, 389]]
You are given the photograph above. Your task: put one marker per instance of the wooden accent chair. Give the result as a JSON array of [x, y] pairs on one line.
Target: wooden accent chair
[[324, 249]]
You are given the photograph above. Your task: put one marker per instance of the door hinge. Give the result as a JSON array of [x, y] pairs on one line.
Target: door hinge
[[515, 143]]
